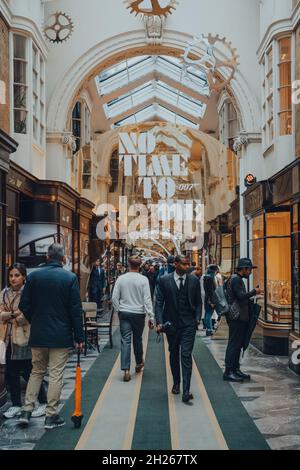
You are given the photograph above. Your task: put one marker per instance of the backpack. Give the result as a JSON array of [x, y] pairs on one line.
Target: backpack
[[220, 300]]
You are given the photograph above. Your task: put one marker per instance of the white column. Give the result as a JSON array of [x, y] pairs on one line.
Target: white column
[[59, 156]]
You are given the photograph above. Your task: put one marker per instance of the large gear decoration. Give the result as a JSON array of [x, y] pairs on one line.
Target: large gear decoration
[[61, 29], [218, 66], [155, 10]]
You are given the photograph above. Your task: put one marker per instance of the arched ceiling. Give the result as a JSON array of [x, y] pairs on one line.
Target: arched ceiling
[[152, 87]]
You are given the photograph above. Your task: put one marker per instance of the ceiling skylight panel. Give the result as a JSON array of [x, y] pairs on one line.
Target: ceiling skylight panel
[[130, 100]]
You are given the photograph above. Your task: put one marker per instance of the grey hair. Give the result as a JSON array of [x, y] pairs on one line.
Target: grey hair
[[56, 251]]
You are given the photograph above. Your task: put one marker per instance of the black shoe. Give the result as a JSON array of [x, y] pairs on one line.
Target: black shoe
[[187, 397], [241, 374], [232, 377], [24, 418], [52, 422], [176, 389], [209, 333]]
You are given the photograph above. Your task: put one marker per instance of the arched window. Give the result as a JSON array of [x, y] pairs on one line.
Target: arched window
[[81, 124], [76, 124], [114, 171]]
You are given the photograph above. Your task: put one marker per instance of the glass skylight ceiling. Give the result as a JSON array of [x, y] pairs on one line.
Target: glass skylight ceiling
[[133, 69], [156, 111], [149, 90], [154, 90]]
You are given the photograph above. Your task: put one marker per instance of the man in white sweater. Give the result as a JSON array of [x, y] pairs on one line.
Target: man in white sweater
[[132, 300]]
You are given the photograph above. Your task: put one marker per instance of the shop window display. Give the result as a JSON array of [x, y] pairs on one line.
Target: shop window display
[[295, 268], [66, 238], [279, 292], [269, 238]]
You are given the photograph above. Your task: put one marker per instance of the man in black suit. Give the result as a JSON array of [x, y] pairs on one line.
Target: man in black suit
[[97, 283], [178, 302]]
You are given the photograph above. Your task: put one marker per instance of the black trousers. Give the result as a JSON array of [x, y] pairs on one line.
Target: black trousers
[[237, 330], [14, 370], [181, 346]]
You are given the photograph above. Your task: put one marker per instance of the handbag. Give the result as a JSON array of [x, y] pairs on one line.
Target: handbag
[[234, 308], [234, 311]]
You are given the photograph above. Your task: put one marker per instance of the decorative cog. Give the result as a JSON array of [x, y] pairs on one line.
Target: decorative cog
[[155, 10], [213, 62], [61, 29]]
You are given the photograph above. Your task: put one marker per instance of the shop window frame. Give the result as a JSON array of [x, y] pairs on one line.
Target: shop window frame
[[294, 280], [286, 209]]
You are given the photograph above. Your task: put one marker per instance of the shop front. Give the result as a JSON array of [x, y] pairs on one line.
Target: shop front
[[219, 243], [7, 147], [269, 209], [235, 229], [82, 244]]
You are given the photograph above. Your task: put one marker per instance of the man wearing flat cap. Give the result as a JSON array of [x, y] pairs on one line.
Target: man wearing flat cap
[[240, 298]]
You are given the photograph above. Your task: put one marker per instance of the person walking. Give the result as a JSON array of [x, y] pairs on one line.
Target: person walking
[[51, 303], [14, 331], [168, 268], [209, 284], [239, 298], [177, 307], [97, 284], [152, 278], [132, 300]]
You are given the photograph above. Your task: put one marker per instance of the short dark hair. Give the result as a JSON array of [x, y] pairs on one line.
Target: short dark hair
[[180, 258], [134, 262], [20, 267]]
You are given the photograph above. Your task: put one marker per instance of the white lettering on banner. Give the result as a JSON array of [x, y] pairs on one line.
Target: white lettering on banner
[[169, 219], [296, 92], [296, 354]]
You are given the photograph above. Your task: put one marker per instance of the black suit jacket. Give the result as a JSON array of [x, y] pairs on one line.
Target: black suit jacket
[[97, 281], [166, 306]]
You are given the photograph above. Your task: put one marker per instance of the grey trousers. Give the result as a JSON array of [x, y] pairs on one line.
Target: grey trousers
[[131, 324]]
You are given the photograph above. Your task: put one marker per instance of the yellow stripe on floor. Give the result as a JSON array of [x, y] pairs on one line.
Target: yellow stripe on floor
[[193, 427], [111, 424]]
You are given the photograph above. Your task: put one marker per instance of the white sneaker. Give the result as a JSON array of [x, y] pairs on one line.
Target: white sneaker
[[39, 411], [12, 412]]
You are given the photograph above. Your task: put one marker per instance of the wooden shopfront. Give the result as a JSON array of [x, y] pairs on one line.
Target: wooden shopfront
[[7, 147], [82, 242]]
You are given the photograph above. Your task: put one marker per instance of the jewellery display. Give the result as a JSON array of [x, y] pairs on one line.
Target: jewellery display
[[279, 293]]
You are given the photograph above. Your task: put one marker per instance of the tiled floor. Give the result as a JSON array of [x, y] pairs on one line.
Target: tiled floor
[[272, 398], [14, 437]]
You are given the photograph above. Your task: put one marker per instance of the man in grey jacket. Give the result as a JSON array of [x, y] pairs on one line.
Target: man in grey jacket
[[132, 300], [51, 303]]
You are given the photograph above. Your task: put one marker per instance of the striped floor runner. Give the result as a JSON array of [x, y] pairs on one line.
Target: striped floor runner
[[144, 415]]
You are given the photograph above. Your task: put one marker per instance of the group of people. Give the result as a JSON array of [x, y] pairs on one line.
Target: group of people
[[175, 311], [41, 321]]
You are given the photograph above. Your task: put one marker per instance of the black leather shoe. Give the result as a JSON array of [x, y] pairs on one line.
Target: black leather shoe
[[176, 389], [232, 377], [187, 397], [241, 374]]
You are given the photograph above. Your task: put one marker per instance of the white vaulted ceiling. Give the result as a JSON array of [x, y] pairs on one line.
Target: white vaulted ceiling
[[147, 88]]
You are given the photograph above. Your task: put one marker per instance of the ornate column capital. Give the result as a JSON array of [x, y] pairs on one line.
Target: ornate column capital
[[241, 141]]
